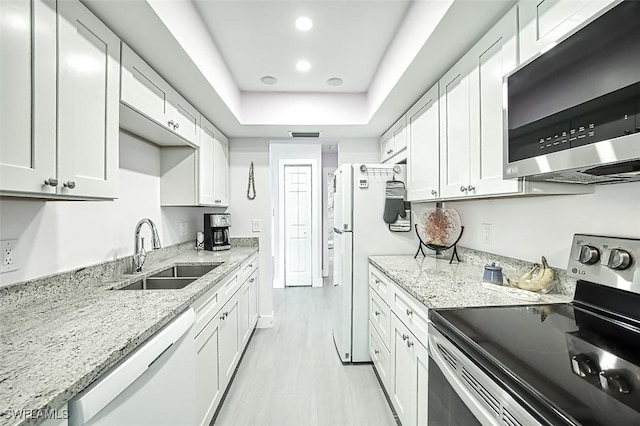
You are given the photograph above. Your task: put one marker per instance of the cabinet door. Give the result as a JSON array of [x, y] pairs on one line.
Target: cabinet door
[[221, 171], [207, 377], [542, 23], [229, 344], [495, 55], [88, 103], [186, 119], [206, 165], [400, 135], [454, 130], [422, 384], [402, 375], [243, 315], [386, 146], [28, 101], [253, 300], [143, 89], [423, 161]]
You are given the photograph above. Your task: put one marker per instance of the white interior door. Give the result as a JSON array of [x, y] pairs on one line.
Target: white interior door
[[297, 225]]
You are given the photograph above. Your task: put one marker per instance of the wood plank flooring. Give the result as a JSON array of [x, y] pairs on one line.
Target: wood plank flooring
[[291, 374]]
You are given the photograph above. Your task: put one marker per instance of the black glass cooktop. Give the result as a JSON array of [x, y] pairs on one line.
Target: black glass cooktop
[[566, 362]]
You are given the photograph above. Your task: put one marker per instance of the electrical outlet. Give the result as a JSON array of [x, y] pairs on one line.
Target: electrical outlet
[[184, 229], [9, 260], [486, 233], [255, 225]]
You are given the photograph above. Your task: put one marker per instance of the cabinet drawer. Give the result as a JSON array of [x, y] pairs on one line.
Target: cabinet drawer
[[247, 268], [380, 356], [412, 313], [380, 283], [379, 316]]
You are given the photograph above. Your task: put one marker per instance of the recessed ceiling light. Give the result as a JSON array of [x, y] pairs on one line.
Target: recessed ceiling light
[[304, 23], [334, 81], [267, 79], [303, 66]]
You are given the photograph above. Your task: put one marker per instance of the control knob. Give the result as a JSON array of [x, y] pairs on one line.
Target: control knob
[[589, 255], [612, 381], [584, 366], [619, 259]]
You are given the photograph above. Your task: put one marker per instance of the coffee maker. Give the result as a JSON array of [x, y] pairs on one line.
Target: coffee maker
[[216, 231]]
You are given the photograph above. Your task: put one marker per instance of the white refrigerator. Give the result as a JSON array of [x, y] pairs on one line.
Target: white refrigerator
[[360, 232]]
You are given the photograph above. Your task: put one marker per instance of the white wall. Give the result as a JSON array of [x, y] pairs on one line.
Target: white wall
[[527, 228], [56, 236], [241, 153], [311, 153], [365, 150]]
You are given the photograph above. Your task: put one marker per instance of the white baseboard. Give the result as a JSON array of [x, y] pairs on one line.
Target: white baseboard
[[265, 321], [317, 282]]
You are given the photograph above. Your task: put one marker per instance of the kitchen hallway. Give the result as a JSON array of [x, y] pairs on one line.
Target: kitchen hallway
[[291, 374]]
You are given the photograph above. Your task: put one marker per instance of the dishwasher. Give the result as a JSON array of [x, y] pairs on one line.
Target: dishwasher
[[152, 386]]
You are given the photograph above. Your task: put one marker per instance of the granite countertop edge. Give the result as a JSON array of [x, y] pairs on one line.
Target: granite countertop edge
[[106, 284]]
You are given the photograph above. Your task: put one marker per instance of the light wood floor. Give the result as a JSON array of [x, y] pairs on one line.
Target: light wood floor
[[291, 374]]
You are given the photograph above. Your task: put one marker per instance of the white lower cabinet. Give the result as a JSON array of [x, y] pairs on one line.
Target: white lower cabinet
[[207, 379], [229, 343], [243, 314], [253, 300], [402, 362]]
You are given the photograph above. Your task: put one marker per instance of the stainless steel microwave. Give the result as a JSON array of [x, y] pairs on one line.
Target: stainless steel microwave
[[572, 114]]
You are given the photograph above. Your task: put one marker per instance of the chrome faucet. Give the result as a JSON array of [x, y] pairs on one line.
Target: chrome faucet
[[140, 254]]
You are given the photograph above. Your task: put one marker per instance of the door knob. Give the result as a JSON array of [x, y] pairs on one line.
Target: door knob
[[463, 188], [69, 184], [51, 182]]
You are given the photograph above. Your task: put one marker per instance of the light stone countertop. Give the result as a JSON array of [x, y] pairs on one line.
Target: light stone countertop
[[57, 338], [437, 284]]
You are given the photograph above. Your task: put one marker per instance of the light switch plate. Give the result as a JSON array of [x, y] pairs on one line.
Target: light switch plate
[[9, 258], [255, 225]]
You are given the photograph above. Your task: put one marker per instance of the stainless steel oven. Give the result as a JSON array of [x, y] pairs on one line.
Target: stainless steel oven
[[572, 363]]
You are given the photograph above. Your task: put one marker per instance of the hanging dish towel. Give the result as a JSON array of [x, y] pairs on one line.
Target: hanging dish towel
[[394, 202]]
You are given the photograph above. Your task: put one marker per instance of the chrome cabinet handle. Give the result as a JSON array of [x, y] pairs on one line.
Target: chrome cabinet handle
[[51, 182], [252, 280], [409, 312], [463, 188], [376, 313], [434, 192], [389, 151], [69, 184], [251, 265], [377, 352], [405, 337], [409, 343], [471, 188]]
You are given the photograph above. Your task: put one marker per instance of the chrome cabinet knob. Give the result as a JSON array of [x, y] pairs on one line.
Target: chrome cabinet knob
[[409, 312], [584, 366], [619, 259], [51, 182], [252, 280], [176, 126], [409, 343], [405, 337], [389, 151], [612, 381], [69, 184], [376, 313], [471, 188], [589, 255], [377, 352], [377, 282], [171, 124], [434, 192], [463, 188]]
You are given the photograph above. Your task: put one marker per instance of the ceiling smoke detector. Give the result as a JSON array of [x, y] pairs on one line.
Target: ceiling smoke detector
[[268, 79], [305, 134], [334, 81]]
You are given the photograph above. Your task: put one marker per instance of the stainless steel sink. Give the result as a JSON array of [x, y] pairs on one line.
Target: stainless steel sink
[[191, 271], [173, 278]]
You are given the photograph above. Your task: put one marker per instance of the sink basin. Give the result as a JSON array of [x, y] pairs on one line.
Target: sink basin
[[173, 278], [191, 271], [159, 284]]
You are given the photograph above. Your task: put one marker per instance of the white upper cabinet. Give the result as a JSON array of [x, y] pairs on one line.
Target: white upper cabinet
[[494, 56], [60, 81], [197, 177], [423, 148], [151, 108], [88, 87], [455, 129], [28, 85], [542, 23], [394, 141]]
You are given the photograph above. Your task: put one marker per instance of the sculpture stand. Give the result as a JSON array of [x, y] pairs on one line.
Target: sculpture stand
[[438, 249]]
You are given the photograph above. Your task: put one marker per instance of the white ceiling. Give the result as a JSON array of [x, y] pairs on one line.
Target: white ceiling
[[258, 38], [386, 65]]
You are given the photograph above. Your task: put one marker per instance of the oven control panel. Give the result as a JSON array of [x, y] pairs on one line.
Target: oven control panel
[[610, 261]]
